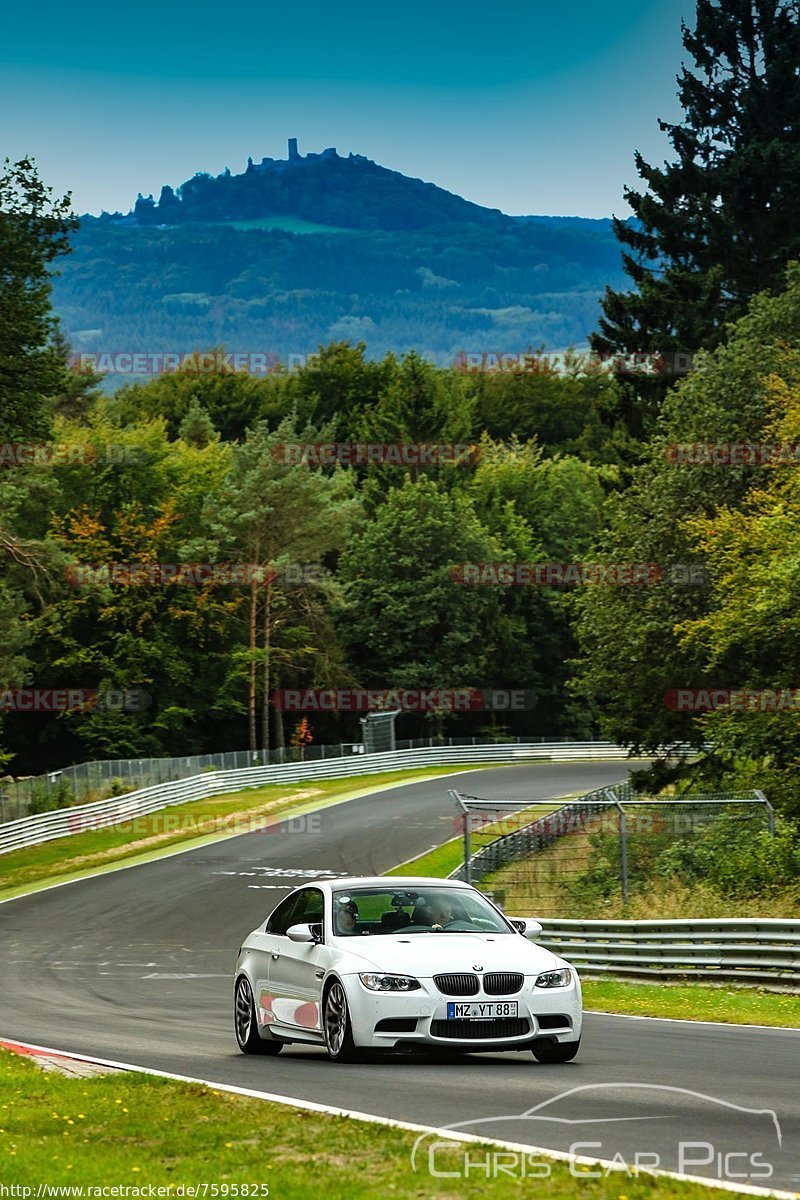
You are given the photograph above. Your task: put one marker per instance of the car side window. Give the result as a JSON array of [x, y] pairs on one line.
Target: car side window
[[303, 908], [312, 911], [284, 915]]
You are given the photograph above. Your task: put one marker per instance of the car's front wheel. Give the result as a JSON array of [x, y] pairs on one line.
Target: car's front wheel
[[556, 1052], [244, 1020], [337, 1025]]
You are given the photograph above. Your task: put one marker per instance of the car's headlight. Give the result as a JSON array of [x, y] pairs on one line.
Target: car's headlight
[[562, 978], [389, 983]]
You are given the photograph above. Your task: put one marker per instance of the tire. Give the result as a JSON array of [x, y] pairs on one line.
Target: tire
[[337, 1025], [245, 1024], [556, 1052]]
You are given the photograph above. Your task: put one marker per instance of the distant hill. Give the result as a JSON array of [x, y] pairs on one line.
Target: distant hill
[[351, 193], [294, 253]]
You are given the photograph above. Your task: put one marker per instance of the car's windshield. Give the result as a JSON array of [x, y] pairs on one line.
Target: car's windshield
[[386, 910]]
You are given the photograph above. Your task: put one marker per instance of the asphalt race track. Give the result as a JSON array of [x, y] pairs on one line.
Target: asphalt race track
[[136, 965]]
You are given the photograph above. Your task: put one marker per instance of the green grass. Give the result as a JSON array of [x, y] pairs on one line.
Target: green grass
[[438, 862], [694, 1002], [186, 824], [135, 1130], [441, 861]]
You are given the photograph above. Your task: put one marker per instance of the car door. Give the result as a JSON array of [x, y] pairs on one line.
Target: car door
[[296, 969], [265, 947]]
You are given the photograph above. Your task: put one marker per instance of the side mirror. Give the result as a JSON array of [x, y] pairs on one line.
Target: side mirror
[[528, 927], [303, 933]]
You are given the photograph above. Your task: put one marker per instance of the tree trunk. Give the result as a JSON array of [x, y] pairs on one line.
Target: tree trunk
[[280, 735], [251, 697], [267, 630], [253, 645]]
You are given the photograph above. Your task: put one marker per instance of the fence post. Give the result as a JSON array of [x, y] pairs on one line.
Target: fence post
[[770, 811], [623, 846], [467, 848]]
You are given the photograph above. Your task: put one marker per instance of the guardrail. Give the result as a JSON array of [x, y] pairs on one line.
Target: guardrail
[[44, 827], [748, 949], [87, 782]]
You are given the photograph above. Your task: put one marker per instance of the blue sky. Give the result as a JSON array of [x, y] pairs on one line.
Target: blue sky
[[520, 105]]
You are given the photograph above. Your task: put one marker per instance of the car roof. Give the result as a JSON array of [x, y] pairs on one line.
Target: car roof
[[389, 881]]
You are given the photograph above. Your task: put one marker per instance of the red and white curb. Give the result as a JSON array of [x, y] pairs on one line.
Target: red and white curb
[[63, 1064]]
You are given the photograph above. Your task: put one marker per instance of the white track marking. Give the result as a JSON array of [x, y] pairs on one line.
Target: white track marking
[[599, 1012]]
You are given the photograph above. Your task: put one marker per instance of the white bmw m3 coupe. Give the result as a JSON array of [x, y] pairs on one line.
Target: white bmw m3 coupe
[[397, 963]]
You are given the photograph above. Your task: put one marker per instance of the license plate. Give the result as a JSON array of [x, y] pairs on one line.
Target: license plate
[[481, 1010]]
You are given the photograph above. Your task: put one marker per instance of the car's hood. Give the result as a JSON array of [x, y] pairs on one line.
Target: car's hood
[[426, 954]]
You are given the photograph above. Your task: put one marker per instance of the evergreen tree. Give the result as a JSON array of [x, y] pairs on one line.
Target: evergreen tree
[[276, 515], [33, 231], [721, 221], [196, 428]]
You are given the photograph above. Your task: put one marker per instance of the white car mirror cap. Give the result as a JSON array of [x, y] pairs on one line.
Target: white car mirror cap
[[300, 933], [529, 927]]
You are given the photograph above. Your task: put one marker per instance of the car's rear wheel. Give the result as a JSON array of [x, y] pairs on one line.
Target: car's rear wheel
[[556, 1052], [244, 1020], [337, 1025]]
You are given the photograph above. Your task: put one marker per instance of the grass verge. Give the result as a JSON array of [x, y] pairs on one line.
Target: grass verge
[[694, 1002], [134, 1130], [438, 862], [200, 821], [441, 861]]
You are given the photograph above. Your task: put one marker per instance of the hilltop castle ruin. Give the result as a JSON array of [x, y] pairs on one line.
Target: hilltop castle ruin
[[296, 159]]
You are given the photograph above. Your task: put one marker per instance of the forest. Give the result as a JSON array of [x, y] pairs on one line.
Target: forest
[[676, 621]]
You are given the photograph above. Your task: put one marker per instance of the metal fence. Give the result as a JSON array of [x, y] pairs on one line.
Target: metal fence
[[590, 851], [86, 782], [744, 950], [46, 826]]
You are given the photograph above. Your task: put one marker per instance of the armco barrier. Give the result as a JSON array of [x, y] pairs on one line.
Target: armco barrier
[[748, 949], [85, 782], [45, 827]]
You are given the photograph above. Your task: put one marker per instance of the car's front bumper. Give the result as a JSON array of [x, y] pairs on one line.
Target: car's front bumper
[[386, 1019]]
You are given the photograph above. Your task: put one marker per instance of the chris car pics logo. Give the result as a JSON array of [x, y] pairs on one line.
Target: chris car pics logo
[[627, 1128]]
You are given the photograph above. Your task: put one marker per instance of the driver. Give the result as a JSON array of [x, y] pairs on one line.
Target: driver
[[439, 910], [347, 917]]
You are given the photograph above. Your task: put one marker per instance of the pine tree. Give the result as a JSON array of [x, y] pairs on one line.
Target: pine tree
[[196, 428], [721, 221], [34, 230]]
